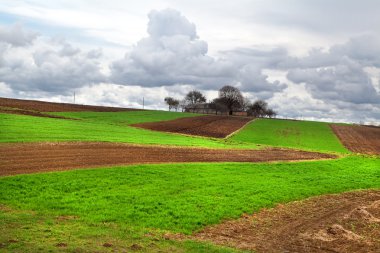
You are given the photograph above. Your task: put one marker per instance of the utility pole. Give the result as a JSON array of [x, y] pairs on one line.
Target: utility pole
[[74, 97], [143, 103]]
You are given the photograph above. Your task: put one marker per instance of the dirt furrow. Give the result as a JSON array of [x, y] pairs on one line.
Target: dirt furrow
[[37, 157]]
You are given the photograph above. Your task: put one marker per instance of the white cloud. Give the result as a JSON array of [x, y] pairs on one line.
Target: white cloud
[[173, 54], [31, 63], [245, 43], [16, 36]]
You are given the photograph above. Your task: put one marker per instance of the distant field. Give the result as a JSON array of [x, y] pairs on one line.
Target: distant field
[[293, 134], [126, 118], [109, 127]]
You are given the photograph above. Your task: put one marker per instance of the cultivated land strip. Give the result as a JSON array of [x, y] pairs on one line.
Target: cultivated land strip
[[207, 126], [42, 157], [42, 106], [359, 139]]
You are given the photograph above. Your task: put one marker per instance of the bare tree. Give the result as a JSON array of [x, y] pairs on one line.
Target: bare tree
[[246, 104], [183, 104], [172, 103], [195, 97], [231, 97], [271, 113], [260, 109]]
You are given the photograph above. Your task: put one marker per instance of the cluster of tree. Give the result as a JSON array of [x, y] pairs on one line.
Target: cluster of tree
[[229, 99], [172, 103], [192, 98]]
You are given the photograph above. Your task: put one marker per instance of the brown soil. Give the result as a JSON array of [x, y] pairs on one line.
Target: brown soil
[[348, 222], [31, 113], [41, 106], [39, 157], [359, 139], [209, 126]]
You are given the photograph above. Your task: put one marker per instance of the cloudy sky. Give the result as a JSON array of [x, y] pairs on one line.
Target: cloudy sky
[[314, 59]]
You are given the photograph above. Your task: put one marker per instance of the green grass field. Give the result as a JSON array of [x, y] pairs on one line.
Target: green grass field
[[180, 197], [307, 135], [131, 207], [109, 127]]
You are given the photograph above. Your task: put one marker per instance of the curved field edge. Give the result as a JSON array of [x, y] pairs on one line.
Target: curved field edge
[[101, 127], [306, 135], [183, 197]]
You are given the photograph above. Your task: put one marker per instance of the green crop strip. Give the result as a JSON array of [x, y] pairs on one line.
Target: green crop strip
[[307, 135], [108, 127], [183, 197]]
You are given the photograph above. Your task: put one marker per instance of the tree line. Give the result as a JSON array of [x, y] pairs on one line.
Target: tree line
[[229, 99]]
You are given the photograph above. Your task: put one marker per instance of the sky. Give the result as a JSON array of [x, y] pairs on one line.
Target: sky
[[313, 60]]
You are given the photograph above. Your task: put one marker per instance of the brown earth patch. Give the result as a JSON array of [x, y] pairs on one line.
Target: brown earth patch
[[23, 158], [359, 139], [208, 126], [347, 222], [41, 106], [31, 113]]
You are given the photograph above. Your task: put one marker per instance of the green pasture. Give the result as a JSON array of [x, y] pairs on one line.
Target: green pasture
[[309, 135], [173, 197], [126, 118], [108, 127]]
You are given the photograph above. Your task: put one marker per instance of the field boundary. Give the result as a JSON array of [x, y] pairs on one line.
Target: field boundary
[[240, 129]]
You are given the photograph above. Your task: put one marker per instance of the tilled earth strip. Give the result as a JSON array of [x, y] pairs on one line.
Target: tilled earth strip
[[24, 158], [359, 139], [208, 125], [42, 106]]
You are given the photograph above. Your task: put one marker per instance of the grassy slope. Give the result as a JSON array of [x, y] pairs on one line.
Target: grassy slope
[[111, 127], [183, 197], [293, 134], [121, 204], [126, 118]]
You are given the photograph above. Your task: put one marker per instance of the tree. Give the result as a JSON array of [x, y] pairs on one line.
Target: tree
[[195, 97], [260, 109], [271, 113], [231, 97], [172, 103], [183, 104], [246, 104]]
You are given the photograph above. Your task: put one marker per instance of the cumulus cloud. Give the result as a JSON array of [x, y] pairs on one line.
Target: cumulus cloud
[[15, 35], [339, 74], [30, 63], [343, 79], [170, 23], [173, 54]]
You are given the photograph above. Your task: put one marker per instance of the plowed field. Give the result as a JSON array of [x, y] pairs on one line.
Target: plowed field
[[41, 106], [40, 157], [209, 126], [347, 222], [359, 139]]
